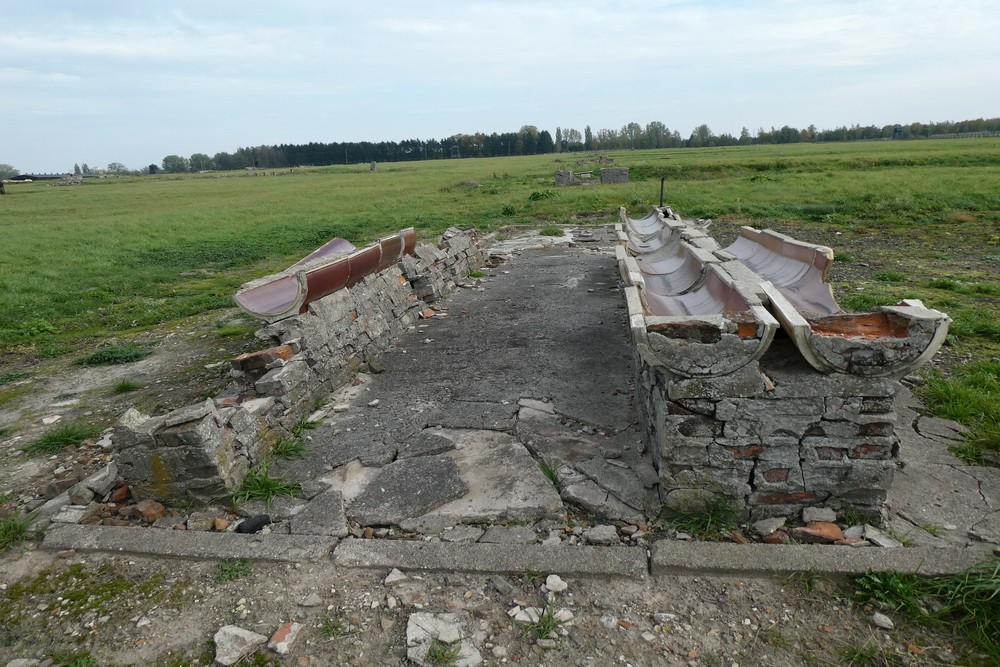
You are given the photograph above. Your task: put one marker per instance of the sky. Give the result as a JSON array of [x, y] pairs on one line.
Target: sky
[[131, 82]]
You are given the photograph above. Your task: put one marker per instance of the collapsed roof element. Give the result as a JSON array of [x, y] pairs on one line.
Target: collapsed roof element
[[336, 265]]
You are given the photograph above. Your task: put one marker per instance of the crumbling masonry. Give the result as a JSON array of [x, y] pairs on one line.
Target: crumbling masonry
[[752, 383]]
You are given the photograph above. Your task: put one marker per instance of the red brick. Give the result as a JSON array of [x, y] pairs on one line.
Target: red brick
[[745, 452], [818, 532], [869, 452], [830, 453], [150, 510], [776, 475], [252, 361], [786, 498]]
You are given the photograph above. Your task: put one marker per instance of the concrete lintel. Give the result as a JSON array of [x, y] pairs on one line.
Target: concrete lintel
[[671, 557], [494, 558], [194, 544]]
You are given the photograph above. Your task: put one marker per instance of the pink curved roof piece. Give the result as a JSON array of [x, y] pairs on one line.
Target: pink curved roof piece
[[684, 290], [333, 266], [798, 269]]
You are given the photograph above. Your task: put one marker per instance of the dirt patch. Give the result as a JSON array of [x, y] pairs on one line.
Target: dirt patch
[[166, 612], [189, 362]]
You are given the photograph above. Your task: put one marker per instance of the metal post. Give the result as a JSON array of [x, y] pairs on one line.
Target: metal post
[[661, 190]]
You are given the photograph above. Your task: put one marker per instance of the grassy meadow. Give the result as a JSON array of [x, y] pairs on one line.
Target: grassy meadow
[[112, 257]]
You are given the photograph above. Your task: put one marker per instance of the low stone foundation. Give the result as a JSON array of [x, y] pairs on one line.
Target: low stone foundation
[[772, 438], [203, 452], [754, 385]]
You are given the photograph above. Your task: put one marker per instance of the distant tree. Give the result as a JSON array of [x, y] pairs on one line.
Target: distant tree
[[76, 169], [573, 139], [702, 136], [85, 168], [545, 143], [654, 134], [745, 138], [200, 162], [175, 164], [153, 169], [588, 139], [559, 140], [116, 168], [7, 171]]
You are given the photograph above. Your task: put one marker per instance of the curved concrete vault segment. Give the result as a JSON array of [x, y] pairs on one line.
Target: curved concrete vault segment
[[336, 265]]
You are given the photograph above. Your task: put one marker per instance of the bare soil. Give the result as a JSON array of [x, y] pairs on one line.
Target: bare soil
[[145, 611]]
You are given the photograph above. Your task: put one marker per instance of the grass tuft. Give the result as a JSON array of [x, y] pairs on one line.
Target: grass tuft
[[971, 397], [68, 434], [125, 386], [233, 568], [13, 530], [718, 516], [442, 653], [289, 448], [332, 628], [259, 485], [545, 627], [550, 471], [968, 602], [114, 355], [551, 230]]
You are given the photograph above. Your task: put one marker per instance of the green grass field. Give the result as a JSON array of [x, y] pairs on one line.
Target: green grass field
[[111, 257]]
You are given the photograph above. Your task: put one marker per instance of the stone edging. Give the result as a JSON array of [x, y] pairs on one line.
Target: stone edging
[[668, 557]]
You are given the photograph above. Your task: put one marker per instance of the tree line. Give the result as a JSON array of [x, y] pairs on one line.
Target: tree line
[[529, 140]]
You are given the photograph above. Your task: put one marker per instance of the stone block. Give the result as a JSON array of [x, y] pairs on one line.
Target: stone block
[[282, 380]]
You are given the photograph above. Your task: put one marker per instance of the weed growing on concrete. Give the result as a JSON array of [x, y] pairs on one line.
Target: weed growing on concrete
[[13, 530], [125, 386], [304, 425], [545, 627], [968, 602], [718, 516], [932, 528], [850, 516], [477, 274], [233, 568], [289, 448], [902, 538], [114, 355], [972, 398], [68, 434], [259, 485], [442, 653], [550, 471], [551, 230]]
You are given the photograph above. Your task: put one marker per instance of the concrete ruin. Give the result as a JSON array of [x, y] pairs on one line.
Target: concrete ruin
[[318, 338], [754, 385]]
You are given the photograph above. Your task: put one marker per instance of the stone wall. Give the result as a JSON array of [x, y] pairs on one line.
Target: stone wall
[[772, 438], [614, 175], [754, 384], [203, 452]]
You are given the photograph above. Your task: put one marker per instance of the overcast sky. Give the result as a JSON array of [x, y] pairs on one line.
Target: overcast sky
[[130, 82]]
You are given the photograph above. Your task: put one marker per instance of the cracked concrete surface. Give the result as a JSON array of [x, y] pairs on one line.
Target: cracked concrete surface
[[936, 499], [530, 370]]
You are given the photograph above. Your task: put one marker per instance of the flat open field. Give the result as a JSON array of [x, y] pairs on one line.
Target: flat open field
[[114, 257]]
